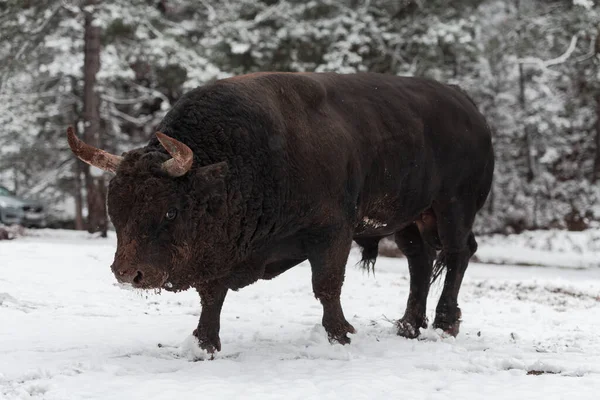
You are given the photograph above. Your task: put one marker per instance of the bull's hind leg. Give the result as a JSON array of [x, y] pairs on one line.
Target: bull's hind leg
[[420, 256], [458, 245], [328, 256]]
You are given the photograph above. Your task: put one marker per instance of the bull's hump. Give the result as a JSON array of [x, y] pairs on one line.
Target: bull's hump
[[290, 87], [256, 75]]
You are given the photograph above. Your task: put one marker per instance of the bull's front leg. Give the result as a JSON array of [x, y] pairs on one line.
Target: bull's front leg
[[328, 258], [212, 296]]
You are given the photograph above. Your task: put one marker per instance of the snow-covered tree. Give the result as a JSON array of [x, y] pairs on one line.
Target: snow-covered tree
[[532, 66]]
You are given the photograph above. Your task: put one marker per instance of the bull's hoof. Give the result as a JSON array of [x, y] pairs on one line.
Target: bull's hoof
[[408, 327], [451, 329], [209, 344], [339, 333], [450, 325]]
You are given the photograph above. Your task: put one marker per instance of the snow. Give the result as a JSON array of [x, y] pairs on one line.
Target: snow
[[69, 331], [550, 156], [556, 248], [587, 4], [239, 48]]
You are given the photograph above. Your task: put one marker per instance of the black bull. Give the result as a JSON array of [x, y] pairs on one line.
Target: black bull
[[271, 169]]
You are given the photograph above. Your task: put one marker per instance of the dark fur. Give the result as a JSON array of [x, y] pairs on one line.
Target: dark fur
[[290, 167]]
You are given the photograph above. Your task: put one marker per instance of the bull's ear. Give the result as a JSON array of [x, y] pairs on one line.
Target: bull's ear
[[211, 178]]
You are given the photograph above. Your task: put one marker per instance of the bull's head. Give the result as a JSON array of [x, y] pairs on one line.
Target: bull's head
[[164, 210]]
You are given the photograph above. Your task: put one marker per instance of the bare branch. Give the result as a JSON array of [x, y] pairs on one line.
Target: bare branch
[[114, 100], [565, 56], [212, 14], [137, 121], [34, 36], [48, 179], [543, 65], [151, 91], [72, 8], [152, 29], [36, 32]]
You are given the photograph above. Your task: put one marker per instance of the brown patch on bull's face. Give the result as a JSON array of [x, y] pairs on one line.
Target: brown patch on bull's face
[[164, 224]]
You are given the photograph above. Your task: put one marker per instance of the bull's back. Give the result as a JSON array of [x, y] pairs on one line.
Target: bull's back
[[388, 145]]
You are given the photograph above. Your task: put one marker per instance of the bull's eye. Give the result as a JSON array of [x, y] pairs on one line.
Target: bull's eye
[[171, 214]]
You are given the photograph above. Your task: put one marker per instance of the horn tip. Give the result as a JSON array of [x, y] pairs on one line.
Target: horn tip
[[162, 138], [71, 137]]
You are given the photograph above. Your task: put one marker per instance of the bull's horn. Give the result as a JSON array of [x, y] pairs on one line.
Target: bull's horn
[[91, 155], [182, 155]]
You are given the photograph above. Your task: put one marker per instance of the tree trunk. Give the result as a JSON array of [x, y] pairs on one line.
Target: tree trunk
[[522, 100], [597, 161], [15, 180], [526, 135], [79, 224], [596, 175], [97, 218], [77, 170]]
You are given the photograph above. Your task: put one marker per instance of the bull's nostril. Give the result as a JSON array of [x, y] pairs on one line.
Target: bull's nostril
[[138, 277]]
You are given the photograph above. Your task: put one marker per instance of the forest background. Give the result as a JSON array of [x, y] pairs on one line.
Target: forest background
[[114, 68]]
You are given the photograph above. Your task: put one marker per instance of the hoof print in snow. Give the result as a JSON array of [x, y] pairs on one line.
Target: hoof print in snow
[[538, 372]]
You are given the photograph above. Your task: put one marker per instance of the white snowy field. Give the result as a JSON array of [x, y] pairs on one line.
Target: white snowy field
[[68, 331]]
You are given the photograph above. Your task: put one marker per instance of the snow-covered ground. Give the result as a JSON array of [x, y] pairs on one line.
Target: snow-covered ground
[[67, 331], [549, 248]]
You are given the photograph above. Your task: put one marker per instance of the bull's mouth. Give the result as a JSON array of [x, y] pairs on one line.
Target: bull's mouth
[[174, 286], [164, 284], [163, 281]]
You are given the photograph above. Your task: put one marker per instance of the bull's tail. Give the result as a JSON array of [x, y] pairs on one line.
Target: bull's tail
[[440, 261], [438, 267], [370, 250]]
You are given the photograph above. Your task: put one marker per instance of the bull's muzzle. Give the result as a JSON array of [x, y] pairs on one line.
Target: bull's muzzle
[[140, 276], [129, 275]]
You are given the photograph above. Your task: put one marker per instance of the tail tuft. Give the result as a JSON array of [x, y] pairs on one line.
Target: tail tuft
[[441, 262], [370, 250], [439, 266]]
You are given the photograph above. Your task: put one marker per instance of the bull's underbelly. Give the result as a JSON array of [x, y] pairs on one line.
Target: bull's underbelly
[[369, 227], [386, 215]]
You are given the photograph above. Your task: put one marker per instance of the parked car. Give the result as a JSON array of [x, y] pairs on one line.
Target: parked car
[[16, 210]]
